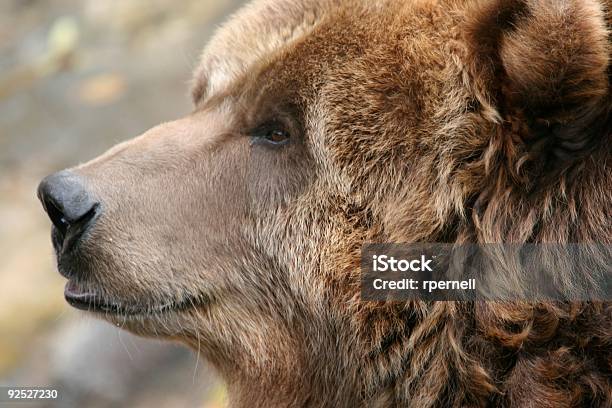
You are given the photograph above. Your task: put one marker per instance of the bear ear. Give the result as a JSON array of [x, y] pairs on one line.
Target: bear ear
[[547, 61]]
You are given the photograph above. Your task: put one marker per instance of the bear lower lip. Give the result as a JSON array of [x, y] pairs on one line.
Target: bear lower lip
[[84, 300], [93, 302]]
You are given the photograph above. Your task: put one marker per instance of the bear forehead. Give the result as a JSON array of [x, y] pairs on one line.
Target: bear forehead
[[255, 32], [261, 30]]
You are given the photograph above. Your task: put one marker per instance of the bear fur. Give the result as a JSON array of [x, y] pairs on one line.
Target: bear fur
[[476, 121]]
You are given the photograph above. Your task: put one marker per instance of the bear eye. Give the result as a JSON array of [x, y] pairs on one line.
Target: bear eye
[[277, 136], [272, 135]]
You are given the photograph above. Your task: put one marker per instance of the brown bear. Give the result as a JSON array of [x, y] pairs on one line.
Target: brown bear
[[319, 126]]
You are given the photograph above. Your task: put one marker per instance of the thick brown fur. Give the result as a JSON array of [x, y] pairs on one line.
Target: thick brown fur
[[411, 121]]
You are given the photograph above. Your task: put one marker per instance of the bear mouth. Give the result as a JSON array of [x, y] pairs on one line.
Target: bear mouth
[[92, 301]]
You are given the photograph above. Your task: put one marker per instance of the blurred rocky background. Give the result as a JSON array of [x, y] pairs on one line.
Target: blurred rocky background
[[76, 77]]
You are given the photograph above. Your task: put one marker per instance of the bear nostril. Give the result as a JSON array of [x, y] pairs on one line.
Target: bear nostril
[[56, 216], [68, 204]]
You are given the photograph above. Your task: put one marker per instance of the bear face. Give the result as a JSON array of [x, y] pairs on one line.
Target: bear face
[[323, 125]]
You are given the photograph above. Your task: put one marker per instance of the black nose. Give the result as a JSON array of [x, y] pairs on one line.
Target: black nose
[[70, 206]]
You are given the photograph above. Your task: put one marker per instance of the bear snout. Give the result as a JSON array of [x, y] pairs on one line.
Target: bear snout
[[72, 208]]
